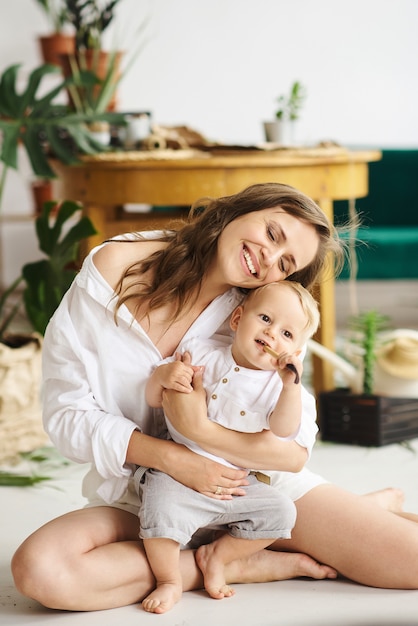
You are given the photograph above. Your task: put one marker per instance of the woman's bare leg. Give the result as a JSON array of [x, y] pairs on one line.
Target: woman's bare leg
[[390, 498], [213, 558], [91, 559], [85, 560], [88, 560], [360, 539]]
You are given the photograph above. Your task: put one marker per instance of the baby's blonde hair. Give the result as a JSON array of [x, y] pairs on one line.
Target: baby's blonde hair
[[307, 301]]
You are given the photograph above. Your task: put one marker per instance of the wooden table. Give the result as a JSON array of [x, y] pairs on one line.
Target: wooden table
[[106, 182]]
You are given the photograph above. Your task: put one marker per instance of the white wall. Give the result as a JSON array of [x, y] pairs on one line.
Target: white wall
[[219, 66]]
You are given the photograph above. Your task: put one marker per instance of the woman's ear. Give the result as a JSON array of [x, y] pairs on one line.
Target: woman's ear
[[235, 317]]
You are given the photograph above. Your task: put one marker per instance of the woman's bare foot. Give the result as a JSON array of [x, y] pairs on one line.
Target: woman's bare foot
[[390, 499], [163, 598], [213, 571], [269, 565]]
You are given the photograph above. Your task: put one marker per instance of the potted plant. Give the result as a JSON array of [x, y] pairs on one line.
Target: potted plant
[[358, 415], [58, 41], [90, 20], [282, 129], [39, 126], [45, 282]]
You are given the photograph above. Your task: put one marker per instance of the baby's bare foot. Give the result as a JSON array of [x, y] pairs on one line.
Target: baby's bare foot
[[163, 598], [269, 565], [213, 571], [390, 499]]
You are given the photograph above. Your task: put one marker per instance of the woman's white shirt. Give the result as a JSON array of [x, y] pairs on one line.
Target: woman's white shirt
[[95, 372]]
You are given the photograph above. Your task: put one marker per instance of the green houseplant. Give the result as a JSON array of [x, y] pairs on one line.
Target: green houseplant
[[47, 280], [90, 20], [58, 41], [36, 124], [289, 105], [56, 13], [361, 416], [366, 327], [97, 72], [40, 125]]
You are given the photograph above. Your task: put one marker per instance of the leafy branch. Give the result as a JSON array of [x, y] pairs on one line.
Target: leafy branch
[[291, 104], [38, 123]]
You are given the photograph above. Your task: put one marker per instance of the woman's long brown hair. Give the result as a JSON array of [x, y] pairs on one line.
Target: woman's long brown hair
[[178, 269]]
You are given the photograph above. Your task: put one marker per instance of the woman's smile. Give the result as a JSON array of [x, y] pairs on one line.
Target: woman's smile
[[250, 261]]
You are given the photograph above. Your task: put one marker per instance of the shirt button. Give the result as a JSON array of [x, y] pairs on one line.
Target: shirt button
[[242, 412], [236, 369], [224, 380], [214, 396]]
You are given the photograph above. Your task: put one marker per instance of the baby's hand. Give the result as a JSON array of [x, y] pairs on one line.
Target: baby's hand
[[177, 376], [289, 368]]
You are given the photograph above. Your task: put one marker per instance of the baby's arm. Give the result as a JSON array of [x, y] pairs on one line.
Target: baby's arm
[[175, 375], [286, 415]]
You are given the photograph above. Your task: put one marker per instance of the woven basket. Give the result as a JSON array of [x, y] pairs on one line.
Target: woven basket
[[21, 427]]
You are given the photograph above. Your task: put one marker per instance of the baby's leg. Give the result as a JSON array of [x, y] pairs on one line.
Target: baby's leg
[[163, 557], [213, 557]]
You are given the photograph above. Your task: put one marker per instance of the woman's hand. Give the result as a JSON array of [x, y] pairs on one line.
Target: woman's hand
[[208, 477], [192, 470]]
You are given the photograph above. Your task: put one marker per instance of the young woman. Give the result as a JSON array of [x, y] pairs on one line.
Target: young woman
[[132, 304]]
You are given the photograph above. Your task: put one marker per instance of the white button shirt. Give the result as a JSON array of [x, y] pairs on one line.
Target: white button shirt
[[240, 398], [95, 372]]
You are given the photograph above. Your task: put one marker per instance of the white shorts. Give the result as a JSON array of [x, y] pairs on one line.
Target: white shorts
[[293, 485]]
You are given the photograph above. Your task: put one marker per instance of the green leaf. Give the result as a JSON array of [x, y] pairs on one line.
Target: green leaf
[[109, 85], [9, 100], [45, 103], [83, 140], [67, 210], [6, 318], [8, 479], [60, 146], [48, 236], [35, 152], [81, 230], [10, 143], [28, 98], [47, 280]]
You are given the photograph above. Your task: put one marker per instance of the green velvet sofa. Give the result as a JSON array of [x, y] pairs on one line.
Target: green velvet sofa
[[388, 237]]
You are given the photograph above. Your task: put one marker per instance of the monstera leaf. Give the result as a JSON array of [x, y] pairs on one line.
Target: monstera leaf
[[40, 125], [47, 280]]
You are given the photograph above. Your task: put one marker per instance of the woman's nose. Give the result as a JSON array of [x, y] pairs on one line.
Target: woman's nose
[[271, 255]]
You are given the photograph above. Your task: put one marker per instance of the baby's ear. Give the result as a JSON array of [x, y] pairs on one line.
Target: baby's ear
[[235, 317]]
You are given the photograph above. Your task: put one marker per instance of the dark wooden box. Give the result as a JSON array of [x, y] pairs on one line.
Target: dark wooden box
[[365, 420]]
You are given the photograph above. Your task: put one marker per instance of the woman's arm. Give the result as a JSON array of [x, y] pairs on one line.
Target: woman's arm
[[190, 469], [188, 414]]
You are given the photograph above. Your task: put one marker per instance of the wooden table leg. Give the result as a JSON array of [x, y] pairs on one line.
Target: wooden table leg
[[323, 372]]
